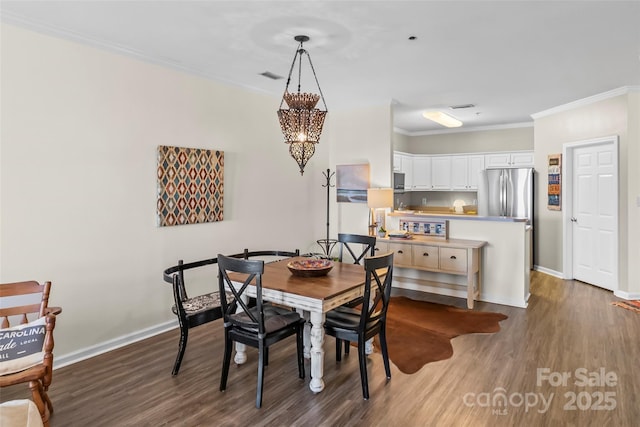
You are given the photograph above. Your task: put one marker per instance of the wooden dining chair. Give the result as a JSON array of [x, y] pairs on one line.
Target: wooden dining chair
[[352, 325], [191, 311], [28, 360], [259, 326]]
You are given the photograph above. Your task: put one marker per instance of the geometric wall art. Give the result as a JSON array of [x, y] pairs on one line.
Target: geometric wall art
[[190, 185]]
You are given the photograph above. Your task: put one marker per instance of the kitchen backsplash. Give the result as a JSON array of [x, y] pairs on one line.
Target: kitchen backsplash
[[434, 198]]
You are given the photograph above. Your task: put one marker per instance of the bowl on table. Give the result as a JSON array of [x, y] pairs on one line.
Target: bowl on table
[[311, 267]]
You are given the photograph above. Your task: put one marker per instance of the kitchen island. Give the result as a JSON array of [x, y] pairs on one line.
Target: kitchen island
[[506, 257]]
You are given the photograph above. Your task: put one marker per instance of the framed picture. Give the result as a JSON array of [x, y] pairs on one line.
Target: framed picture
[[352, 182], [554, 188], [190, 185]]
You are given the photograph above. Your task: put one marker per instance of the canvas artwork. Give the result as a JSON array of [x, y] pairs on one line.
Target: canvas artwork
[[554, 189], [352, 182], [190, 185]]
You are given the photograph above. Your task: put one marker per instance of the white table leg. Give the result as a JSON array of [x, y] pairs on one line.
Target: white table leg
[[368, 346], [307, 332], [317, 353], [241, 354]]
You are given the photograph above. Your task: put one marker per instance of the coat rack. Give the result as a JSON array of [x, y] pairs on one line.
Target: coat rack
[[327, 244]]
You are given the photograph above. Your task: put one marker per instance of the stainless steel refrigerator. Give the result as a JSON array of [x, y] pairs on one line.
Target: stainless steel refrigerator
[[506, 192]]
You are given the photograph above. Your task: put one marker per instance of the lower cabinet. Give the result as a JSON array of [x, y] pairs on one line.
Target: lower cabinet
[[427, 257], [454, 256]]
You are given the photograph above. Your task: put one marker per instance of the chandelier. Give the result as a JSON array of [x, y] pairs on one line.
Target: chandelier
[[301, 122]]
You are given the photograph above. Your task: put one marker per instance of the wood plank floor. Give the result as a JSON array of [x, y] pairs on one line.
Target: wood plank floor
[[568, 326]]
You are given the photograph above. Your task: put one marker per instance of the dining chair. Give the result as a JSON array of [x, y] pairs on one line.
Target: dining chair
[[270, 255], [259, 326], [191, 311], [28, 360], [348, 324], [368, 246]]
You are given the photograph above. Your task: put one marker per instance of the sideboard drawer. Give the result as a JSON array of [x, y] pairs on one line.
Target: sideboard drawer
[[401, 253], [425, 256], [453, 259]]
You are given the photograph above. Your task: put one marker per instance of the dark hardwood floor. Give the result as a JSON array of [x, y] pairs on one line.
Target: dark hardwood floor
[[569, 327]]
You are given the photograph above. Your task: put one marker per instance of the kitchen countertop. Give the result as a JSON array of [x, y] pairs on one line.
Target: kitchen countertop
[[453, 215]]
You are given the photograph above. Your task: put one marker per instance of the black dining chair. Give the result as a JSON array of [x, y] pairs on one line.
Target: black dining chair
[[259, 326], [348, 244], [191, 311], [348, 324]]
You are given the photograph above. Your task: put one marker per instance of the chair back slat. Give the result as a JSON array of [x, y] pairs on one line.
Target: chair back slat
[[18, 289], [253, 269], [377, 292], [367, 249]]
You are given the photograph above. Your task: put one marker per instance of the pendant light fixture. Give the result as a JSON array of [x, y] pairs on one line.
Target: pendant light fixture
[[301, 122]]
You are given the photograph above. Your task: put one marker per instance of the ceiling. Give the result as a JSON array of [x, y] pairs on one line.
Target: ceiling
[[510, 59]]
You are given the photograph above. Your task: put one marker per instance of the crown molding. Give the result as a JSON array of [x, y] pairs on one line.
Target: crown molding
[[586, 101], [463, 129]]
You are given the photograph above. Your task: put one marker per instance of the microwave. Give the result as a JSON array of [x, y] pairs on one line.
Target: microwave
[[398, 182]]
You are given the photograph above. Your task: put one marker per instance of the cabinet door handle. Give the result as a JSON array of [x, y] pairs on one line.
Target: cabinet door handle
[[453, 257], [376, 249], [400, 252], [425, 254]]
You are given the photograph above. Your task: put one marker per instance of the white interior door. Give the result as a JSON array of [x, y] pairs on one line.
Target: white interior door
[[594, 215]]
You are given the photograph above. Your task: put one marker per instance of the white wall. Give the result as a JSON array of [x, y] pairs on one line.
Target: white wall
[[359, 137], [506, 139], [80, 128], [617, 115]]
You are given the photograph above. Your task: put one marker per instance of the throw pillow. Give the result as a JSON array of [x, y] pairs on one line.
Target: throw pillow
[[21, 346]]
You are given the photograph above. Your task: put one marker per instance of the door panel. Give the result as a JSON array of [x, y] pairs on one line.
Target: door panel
[[595, 224]]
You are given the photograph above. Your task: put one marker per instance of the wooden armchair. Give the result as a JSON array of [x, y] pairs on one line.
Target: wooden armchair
[[28, 360]]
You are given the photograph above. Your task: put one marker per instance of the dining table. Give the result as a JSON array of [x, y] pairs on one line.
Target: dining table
[[312, 298]]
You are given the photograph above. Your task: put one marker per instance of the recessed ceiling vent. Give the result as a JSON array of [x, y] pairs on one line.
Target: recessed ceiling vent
[[461, 106], [270, 75]]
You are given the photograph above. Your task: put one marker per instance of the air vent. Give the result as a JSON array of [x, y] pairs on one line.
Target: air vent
[[461, 106], [270, 75]]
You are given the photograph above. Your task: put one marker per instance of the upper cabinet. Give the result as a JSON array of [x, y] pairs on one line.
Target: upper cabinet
[[421, 173], [397, 162], [404, 163], [455, 172], [441, 172], [516, 159], [465, 171]]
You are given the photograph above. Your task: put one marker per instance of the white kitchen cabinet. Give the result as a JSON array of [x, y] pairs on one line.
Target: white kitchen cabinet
[[403, 163], [516, 159], [397, 162], [465, 171], [421, 173], [441, 172], [407, 169]]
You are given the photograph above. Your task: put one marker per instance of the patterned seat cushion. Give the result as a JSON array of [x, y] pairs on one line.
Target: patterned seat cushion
[[199, 303]]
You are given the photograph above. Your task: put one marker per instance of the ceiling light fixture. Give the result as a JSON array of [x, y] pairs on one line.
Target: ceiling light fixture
[[442, 118], [302, 122]]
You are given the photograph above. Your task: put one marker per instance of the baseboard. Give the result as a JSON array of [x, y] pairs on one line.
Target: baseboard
[[104, 347], [627, 295], [548, 271], [494, 300]]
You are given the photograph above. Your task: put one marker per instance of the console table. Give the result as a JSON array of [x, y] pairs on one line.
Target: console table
[[451, 256]]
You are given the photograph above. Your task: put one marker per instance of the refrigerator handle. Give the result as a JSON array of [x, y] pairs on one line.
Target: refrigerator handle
[[502, 194]]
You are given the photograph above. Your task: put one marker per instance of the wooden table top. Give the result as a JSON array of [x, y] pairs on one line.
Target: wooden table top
[[342, 278]]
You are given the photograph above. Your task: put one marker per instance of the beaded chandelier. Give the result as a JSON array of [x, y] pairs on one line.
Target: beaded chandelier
[[301, 122]]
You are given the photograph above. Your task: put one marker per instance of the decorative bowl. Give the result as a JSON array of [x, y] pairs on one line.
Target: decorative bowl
[[310, 267]]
